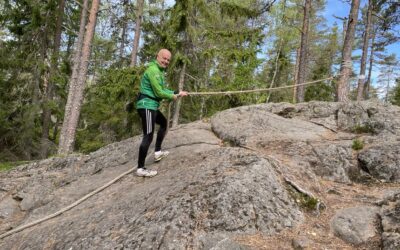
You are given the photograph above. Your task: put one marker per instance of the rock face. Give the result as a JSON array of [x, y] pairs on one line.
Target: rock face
[[391, 222], [320, 135], [235, 177], [356, 225], [382, 161], [203, 197]]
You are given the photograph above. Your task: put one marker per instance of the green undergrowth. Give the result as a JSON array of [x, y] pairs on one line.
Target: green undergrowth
[[4, 166], [363, 129], [357, 144], [229, 143], [304, 201]]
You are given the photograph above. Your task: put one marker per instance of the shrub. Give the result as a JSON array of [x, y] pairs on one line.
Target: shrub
[[357, 144], [363, 129], [305, 201]]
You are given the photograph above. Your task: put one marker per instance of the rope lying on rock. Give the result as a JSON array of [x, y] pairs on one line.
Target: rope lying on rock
[[33, 223]]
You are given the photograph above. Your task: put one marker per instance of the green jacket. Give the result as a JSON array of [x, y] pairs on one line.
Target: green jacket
[[153, 84]]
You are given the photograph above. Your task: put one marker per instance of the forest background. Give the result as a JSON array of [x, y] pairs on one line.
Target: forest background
[[70, 70]]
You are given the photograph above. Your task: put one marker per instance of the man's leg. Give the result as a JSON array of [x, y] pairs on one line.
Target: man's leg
[[160, 120], [148, 121]]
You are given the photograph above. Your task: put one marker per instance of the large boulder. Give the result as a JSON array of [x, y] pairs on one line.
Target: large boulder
[[382, 160], [356, 225]]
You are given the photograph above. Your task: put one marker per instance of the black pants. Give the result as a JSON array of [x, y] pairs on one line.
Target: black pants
[[149, 118]]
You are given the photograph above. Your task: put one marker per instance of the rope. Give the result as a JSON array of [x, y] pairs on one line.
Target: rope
[[18, 229], [347, 64], [254, 90]]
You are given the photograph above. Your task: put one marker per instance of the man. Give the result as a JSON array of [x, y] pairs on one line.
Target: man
[[152, 91]]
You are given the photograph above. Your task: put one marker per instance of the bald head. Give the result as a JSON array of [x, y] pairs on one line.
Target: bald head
[[163, 57]]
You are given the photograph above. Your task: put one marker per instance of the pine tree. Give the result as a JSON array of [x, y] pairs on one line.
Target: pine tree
[[366, 37], [343, 86], [395, 97], [389, 72], [138, 27], [71, 117], [301, 73], [386, 17], [25, 63]]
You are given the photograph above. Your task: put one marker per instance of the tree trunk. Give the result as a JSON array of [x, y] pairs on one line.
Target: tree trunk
[[345, 23], [343, 86], [361, 80], [301, 77], [388, 77], [203, 85], [31, 114], [276, 70], [76, 62], [45, 142], [41, 78], [371, 62], [124, 25], [175, 118], [296, 72], [139, 14], [71, 118], [278, 53]]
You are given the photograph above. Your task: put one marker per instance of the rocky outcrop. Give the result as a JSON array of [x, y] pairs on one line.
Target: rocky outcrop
[[203, 196], [382, 160], [390, 214], [256, 170], [320, 136], [356, 225]]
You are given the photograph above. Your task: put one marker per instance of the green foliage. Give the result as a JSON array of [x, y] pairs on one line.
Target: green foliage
[[24, 55], [396, 93], [220, 52], [308, 202], [4, 166], [326, 56], [88, 142], [357, 144], [305, 201], [388, 75], [105, 119], [220, 42], [238, 9], [320, 92], [363, 128]]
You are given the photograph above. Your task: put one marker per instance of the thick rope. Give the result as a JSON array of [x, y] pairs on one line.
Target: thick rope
[[347, 64], [255, 90], [18, 229]]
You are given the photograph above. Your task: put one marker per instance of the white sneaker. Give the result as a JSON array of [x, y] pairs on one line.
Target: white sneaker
[[160, 154], [145, 172]]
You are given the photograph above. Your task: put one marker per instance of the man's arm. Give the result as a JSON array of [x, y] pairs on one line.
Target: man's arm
[[158, 89]]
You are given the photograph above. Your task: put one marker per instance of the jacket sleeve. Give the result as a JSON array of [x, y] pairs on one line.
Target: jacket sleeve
[[158, 90]]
